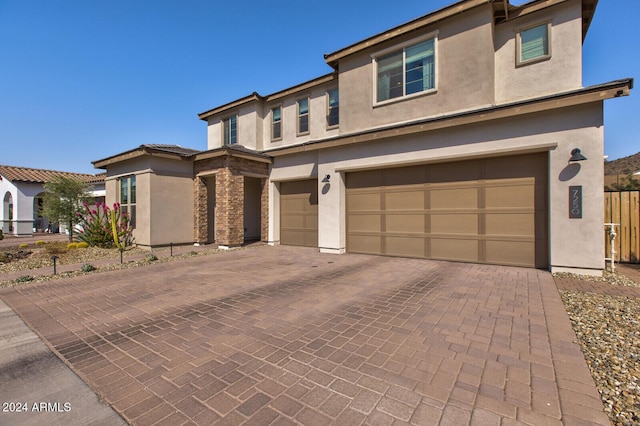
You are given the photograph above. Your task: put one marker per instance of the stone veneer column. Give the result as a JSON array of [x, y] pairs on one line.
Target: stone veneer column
[[264, 210], [200, 234], [229, 208]]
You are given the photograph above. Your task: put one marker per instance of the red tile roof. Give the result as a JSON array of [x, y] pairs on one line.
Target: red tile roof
[[26, 174]]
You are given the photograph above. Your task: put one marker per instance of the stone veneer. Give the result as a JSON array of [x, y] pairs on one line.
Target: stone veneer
[[228, 171]]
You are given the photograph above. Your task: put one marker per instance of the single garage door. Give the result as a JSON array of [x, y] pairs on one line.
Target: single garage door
[[299, 213], [484, 211]]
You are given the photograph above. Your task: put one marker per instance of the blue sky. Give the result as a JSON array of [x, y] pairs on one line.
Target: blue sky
[[81, 80]]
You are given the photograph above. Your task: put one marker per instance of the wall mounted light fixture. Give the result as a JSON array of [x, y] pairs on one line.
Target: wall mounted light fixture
[[326, 179], [576, 155]]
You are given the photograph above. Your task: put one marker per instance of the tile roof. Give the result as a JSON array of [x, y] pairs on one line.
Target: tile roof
[[27, 174], [174, 149]]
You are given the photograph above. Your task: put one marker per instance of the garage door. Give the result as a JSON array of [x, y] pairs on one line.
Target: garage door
[[484, 211], [299, 213]]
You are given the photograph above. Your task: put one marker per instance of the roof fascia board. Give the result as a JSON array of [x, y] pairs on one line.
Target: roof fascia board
[[595, 94], [303, 86], [136, 153], [447, 12], [231, 105], [224, 151]]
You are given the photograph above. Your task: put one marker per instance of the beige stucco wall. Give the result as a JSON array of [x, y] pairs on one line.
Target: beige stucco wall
[[249, 126], [574, 243], [465, 75], [560, 73], [164, 198]]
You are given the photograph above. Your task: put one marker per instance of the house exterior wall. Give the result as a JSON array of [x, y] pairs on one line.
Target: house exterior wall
[[164, 198], [561, 73], [249, 127], [556, 131], [464, 76]]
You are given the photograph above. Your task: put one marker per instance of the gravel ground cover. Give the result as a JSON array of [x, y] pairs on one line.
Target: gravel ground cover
[[608, 331]]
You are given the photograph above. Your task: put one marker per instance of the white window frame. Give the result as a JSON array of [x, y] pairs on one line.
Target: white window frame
[[401, 47], [273, 138], [520, 30], [224, 121], [329, 109], [298, 116]]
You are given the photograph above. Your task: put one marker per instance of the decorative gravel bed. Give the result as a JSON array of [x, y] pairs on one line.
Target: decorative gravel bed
[[608, 330]]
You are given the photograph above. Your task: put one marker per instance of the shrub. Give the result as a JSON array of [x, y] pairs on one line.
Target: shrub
[[97, 229], [82, 245], [24, 246], [72, 245], [151, 257], [55, 248], [24, 279], [1, 235], [39, 243], [87, 267]]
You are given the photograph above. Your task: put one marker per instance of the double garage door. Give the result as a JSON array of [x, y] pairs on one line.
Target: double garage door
[[482, 211]]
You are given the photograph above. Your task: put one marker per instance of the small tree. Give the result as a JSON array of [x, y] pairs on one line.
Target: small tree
[[63, 199], [628, 183]]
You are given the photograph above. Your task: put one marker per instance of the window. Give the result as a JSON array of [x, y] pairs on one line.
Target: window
[[303, 116], [276, 123], [229, 125], [333, 108], [406, 71], [128, 198], [533, 44]]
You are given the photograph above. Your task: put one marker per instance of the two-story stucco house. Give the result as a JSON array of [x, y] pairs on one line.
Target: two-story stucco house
[[464, 135]]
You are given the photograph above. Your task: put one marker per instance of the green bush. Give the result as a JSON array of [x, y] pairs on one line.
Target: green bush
[[151, 257], [24, 279], [1, 235], [24, 246], [39, 243], [72, 245], [82, 245], [87, 267]]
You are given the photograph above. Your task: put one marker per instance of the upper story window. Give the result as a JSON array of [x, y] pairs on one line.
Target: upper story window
[[303, 116], [230, 130], [533, 44], [333, 108], [406, 71], [276, 123], [128, 198]]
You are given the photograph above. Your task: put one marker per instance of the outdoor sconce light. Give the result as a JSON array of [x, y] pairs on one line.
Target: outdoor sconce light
[[326, 179], [576, 155]]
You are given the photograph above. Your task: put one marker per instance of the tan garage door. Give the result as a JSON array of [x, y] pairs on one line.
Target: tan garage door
[[299, 213], [484, 211]]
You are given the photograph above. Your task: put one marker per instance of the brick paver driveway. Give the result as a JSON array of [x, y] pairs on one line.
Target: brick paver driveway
[[286, 335]]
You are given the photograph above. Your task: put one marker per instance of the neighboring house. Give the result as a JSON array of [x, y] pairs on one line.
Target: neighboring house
[[22, 190], [449, 137]]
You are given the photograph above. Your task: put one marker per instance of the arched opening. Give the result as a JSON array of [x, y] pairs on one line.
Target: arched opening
[[7, 214]]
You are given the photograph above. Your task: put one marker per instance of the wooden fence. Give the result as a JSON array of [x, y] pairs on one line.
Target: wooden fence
[[623, 208]]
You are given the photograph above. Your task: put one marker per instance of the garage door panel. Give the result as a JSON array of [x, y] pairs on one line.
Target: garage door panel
[[455, 249], [454, 223], [365, 223], [368, 244], [405, 246], [407, 223], [453, 198], [511, 223], [510, 252], [510, 193], [487, 211], [299, 213], [365, 201], [405, 200]]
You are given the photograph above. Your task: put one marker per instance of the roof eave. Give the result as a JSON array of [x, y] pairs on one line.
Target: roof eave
[[596, 93], [438, 15], [231, 105]]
